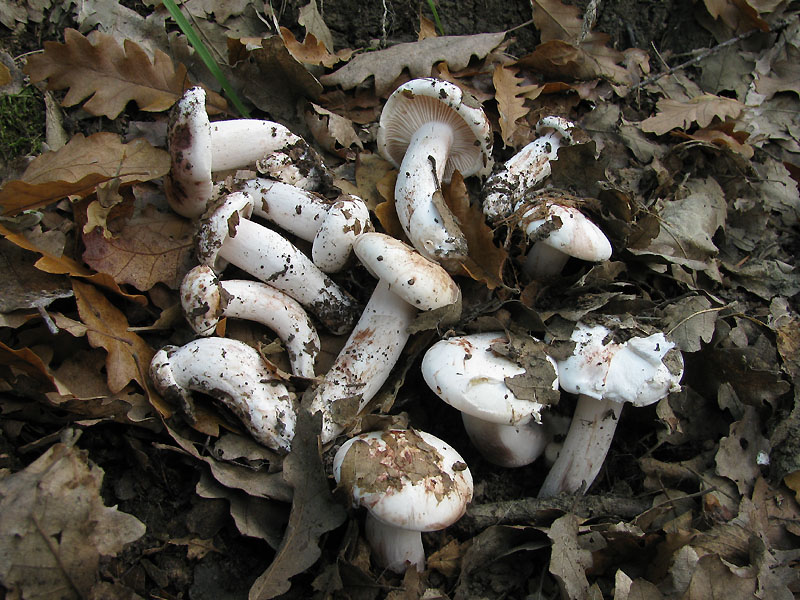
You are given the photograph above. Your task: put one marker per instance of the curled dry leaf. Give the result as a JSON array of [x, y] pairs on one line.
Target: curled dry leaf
[[152, 247], [53, 521], [79, 167], [110, 75], [675, 114]]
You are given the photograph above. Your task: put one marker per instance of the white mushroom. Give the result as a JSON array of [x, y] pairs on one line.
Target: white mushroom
[[429, 129], [227, 235], [506, 188], [558, 232], [605, 373], [206, 300], [199, 147], [409, 481], [467, 373], [408, 283], [331, 225], [234, 374]]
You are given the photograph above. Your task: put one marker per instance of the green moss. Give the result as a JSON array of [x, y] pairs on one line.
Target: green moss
[[22, 124]]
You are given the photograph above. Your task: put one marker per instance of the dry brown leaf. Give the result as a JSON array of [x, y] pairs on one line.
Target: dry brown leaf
[[5, 75], [311, 51], [28, 362], [152, 247], [568, 560], [511, 96], [110, 75], [784, 75], [308, 16], [54, 527], [724, 136], [739, 15], [129, 355], [418, 57], [673, 114], [79, 167], [485, 261], [64, 265], [334, 133]]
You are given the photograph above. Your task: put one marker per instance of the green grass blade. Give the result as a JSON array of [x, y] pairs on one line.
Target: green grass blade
[[436, 20], [205, 55]]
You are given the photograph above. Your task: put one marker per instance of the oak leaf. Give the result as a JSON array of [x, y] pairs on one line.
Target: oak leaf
[[152, 247], [673, 114], [510, 96], [418, 57], [54, 527], [110, 75], [128, 355], [310, 51], [79, 167]]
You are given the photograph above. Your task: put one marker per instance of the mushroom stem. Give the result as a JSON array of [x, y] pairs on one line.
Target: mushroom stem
[[585, 447], [544, 262], [509, 446], [267, 256], [429, 225], [241, 142], [367, 358], [393, 547]]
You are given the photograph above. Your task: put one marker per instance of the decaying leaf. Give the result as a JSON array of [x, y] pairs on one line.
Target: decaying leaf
[[568, 560], [311, 51], [54, 527], [510, 96], [78, 168], [24, 286], [333, 132], [418, 57], [675, 114], [110, 75], [742, 454], [690, 321], [152, 247], [309, 17], [129, 355]]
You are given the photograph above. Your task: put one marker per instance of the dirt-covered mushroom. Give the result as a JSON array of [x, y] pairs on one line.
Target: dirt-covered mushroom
[[471, 376], [429, 129], [234, 374], [206, 299], [199, 147], [409, 481], [608, 367], [227, 235], [506, 188], [408, 283], [331, 225]]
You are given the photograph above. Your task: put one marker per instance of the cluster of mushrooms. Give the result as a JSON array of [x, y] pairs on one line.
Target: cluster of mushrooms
[[409, 480]]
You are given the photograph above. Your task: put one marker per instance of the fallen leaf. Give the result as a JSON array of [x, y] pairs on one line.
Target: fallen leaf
[[24, 286], [28, 362], [675, 114], [129, 355], [511, 96], [314, 511], [152, 247], [739, 15], [54, 527], [110, 75], [418, 57], [311, 51], [711, 578], [308, 16], [690, 322], [333, 132], [742, 453], [78, 168], [568, 560]]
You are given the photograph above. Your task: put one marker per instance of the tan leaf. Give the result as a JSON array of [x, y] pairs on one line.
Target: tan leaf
[[418, 57], [673, 114], [129, 356], [309, 17], [568, 560], [27, 361], [152, 247], [311, 51], [739, 15], [54, 526], [110, 75], [77, 169], [485, 262], [5, 75], [784, 75], [510, 96], [557, 21], [427, 28], [333, 132]]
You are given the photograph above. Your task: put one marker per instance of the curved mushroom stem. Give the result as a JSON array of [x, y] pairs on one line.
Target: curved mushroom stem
[[585, 447], [394, 548], [267, 256], [508, 446], [367, 358], [543, 261], [429, 225]]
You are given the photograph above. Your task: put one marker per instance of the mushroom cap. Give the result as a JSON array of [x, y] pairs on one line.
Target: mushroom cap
[[466, 373], [641, 370], [189, 185], [218, 224], [405, 478], [420, 101], [576, 235], [422, 283], [333, 243], [203, 299]]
